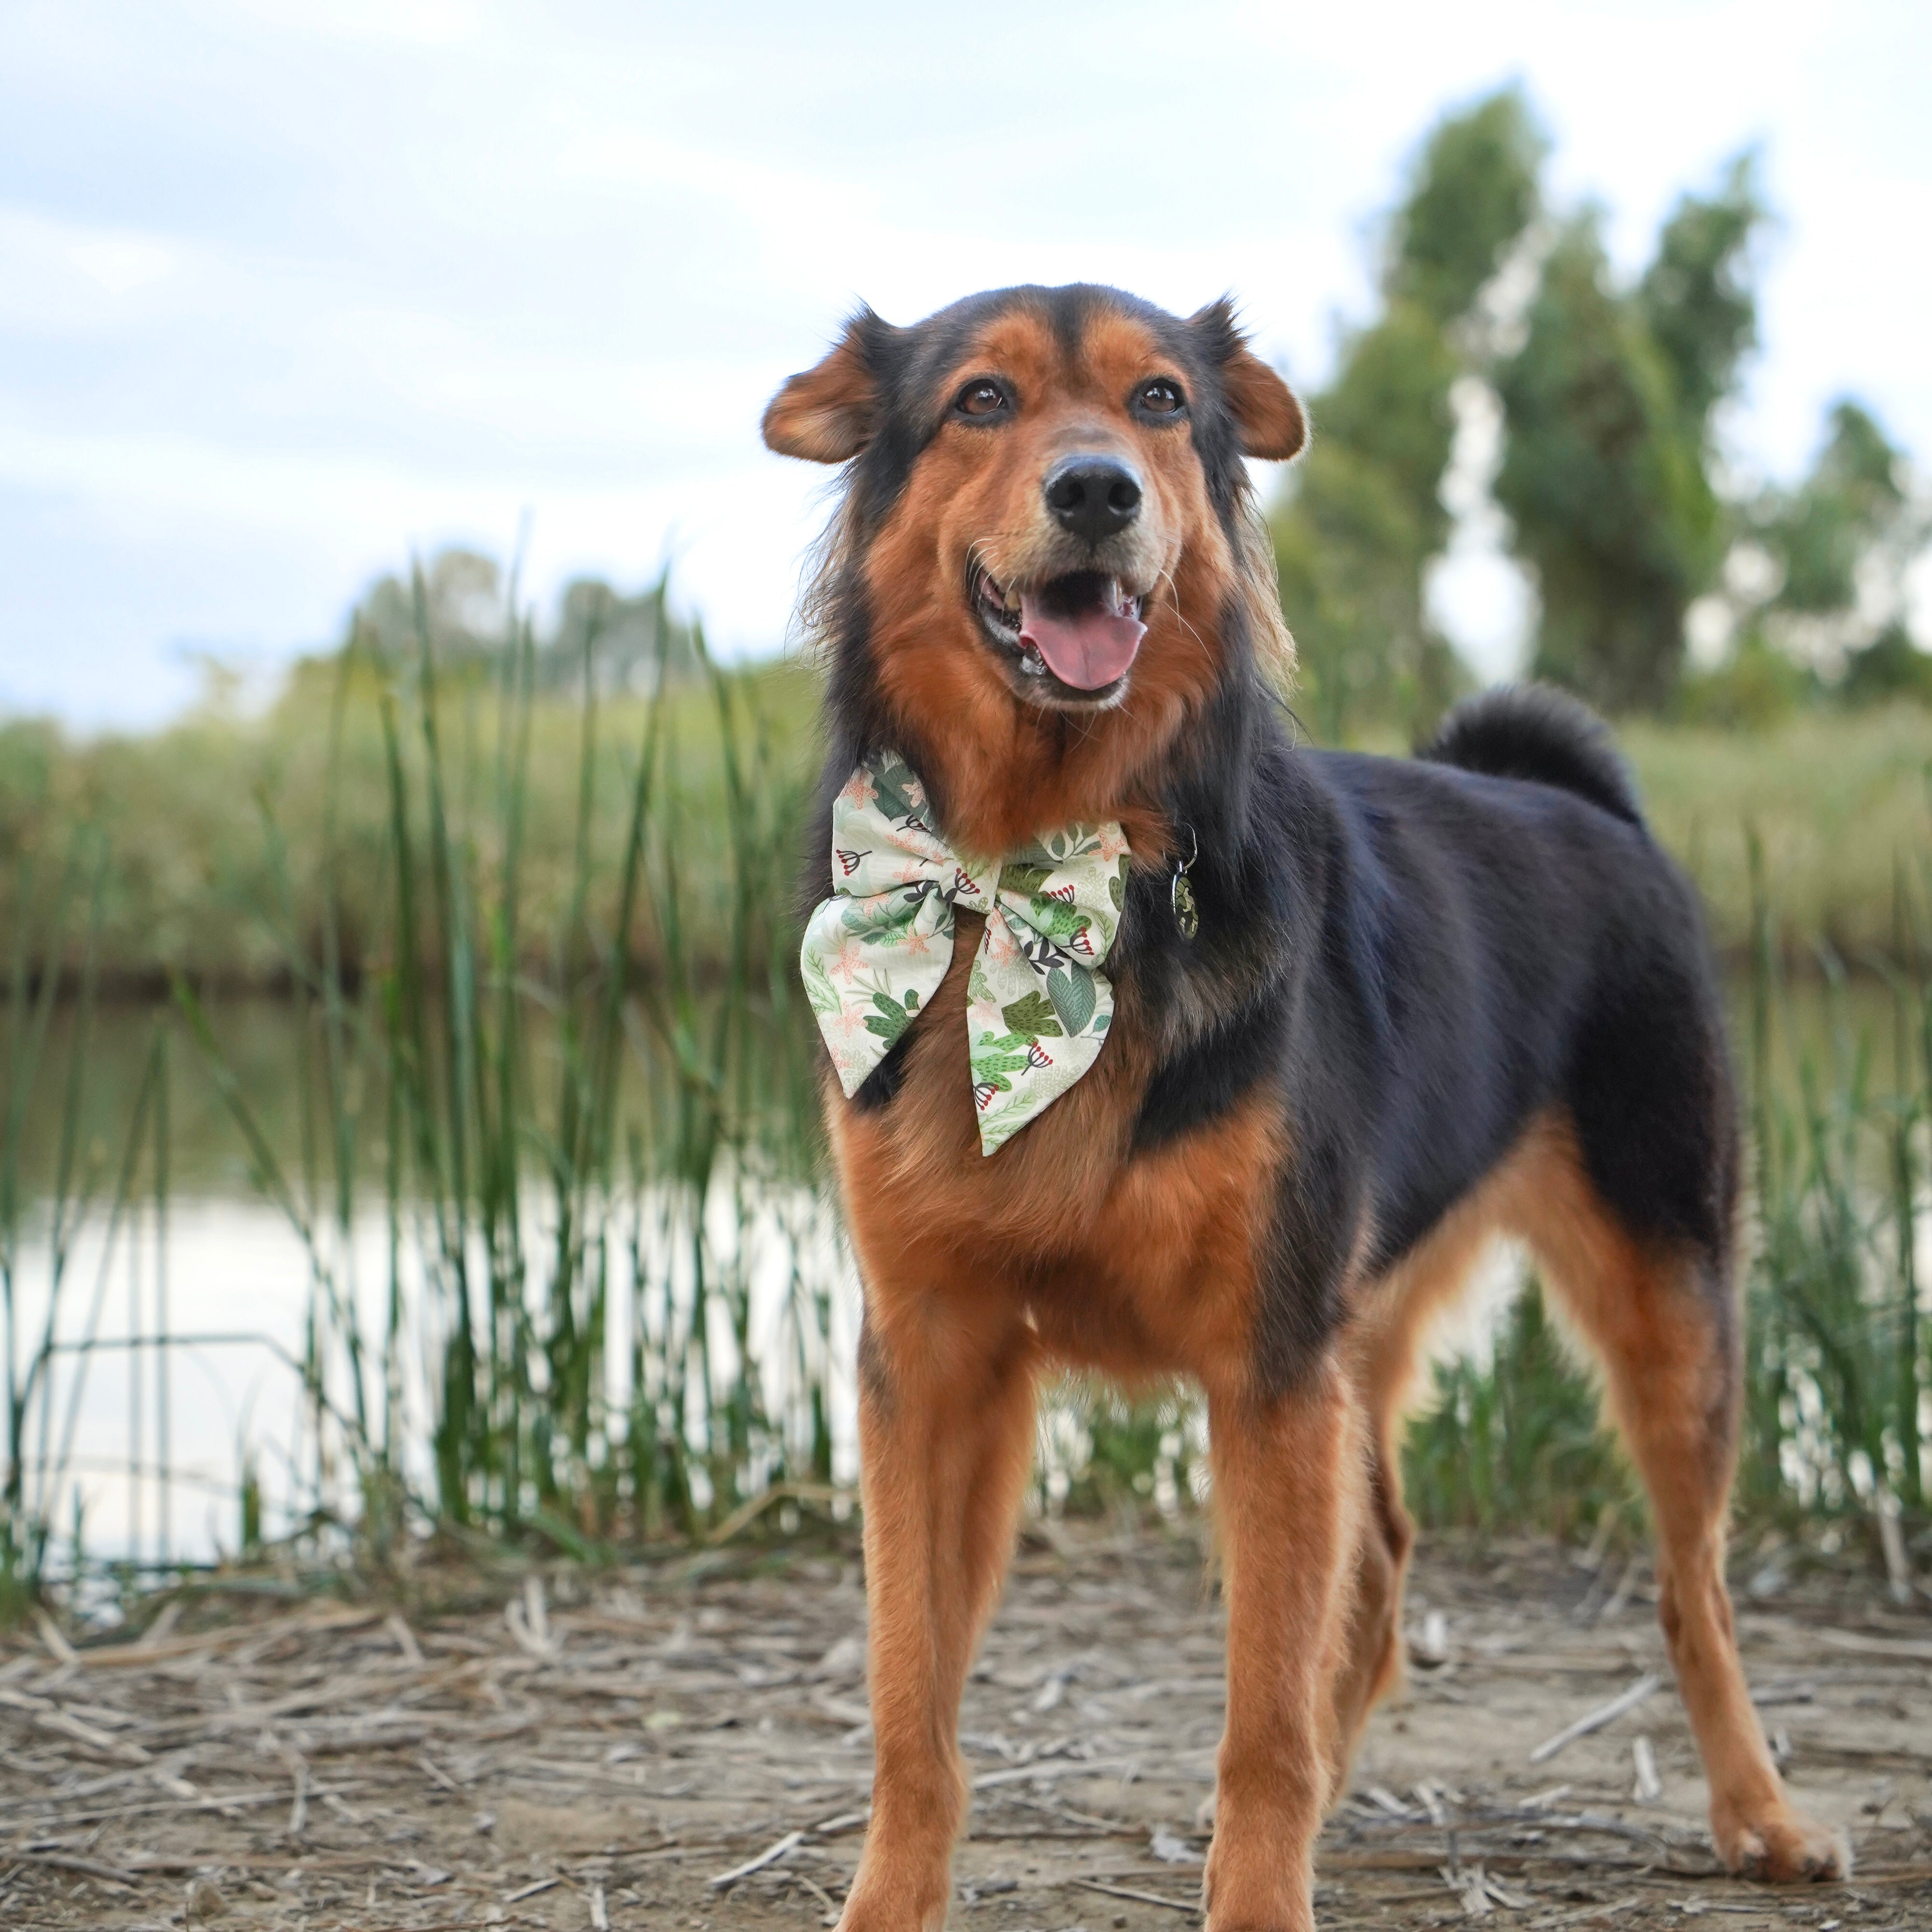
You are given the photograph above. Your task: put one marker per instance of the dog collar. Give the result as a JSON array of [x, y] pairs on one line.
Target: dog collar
[[1037, 1006]]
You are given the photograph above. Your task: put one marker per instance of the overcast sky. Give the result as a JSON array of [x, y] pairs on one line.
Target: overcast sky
[[289, 288]]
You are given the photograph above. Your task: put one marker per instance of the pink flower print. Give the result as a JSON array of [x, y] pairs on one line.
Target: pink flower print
[[848, 960], [858, 791], [914, 943], [915, 793], [1001, 947], [1113, 843]]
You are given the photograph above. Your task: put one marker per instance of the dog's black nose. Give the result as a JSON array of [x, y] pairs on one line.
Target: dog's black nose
[[1093, 496]]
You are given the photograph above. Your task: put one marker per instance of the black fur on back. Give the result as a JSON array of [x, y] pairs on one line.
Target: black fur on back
[[1535, 732]]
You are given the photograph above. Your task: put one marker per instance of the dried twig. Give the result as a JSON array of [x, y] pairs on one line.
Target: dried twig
[[86, 1868], [1588, 1912], [1143, 1898], [748, 1511], [770, 1856], [51, 1636], [1905, 1649], [1595, 1720], [531, 1891], [1649, 1786], [406, 1639], [1058, 1767]]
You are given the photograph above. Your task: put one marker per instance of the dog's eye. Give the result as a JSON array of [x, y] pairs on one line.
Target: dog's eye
[[1160, 397], [981, 398]]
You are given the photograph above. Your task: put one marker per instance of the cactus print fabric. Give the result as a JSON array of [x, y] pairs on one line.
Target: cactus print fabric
[[1037, 1004]]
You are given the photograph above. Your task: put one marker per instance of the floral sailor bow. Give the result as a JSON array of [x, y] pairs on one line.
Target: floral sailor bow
[[874, 952]]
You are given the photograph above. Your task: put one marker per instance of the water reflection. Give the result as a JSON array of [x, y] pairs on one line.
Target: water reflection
[[178, 1367], [144, 1442]]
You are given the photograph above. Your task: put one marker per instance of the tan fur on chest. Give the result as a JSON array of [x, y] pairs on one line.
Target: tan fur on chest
[[1140, 1265]]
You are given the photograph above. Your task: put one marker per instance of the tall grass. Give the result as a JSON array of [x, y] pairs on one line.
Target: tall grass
[[560, 1332], [573, 1278]]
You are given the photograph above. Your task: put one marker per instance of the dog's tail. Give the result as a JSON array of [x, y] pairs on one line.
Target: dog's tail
[[1533, 731]]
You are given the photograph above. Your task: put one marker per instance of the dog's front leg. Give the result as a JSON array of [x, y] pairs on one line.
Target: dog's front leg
[[1287, 1484], [946, 1440]]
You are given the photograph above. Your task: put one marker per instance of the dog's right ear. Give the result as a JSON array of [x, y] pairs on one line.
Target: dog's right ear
[[828, 414]]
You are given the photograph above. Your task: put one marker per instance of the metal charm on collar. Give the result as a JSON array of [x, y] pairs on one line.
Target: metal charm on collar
[[1186, 914]]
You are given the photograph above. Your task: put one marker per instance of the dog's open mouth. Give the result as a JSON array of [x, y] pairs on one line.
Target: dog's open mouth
[[1081, 630]]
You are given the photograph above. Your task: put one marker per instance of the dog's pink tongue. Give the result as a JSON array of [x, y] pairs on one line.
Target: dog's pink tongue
[[1088, 650]]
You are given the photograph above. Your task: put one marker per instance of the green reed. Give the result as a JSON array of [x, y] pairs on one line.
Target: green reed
[[536, 1204], [42, 1215], [1836, 1372]]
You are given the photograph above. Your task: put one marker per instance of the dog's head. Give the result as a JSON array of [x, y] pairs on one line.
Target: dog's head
[[1046, 511]]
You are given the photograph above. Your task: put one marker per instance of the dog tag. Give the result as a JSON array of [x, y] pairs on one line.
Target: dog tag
[[1181, 895], [1186, 915]]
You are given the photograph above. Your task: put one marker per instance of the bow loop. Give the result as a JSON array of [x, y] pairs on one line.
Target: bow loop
[[876, 951]]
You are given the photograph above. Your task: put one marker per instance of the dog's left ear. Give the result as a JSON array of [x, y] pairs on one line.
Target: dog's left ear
[[828, 414], [1271, 422]]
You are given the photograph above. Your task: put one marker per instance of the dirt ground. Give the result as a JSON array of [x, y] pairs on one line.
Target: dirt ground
[[609, 1751]]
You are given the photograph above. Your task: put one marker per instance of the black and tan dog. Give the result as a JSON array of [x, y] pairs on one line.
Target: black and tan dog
[[1425, 1000]]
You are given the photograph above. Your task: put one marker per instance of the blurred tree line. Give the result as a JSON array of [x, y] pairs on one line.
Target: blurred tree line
[[1663, 583], [464, 605]]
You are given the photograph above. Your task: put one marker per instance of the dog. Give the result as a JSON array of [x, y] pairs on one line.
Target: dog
[[1366, 1013]]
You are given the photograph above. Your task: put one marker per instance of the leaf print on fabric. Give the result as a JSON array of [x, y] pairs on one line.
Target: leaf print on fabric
[[819, 989], [1034, 1016], [1053, 920], [1024, 879], [1073, 999], [895, 785], [1007, 1054], [892, 1017]]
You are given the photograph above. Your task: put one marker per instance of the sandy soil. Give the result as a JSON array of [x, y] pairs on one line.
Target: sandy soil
[[606, 1750]]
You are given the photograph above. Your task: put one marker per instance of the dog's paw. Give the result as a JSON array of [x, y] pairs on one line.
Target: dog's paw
[[1253, 1896], [1783, 1847], [907, 1916], [890, 1897]]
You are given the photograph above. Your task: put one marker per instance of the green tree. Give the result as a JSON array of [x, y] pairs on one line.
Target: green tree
[[1474, 191], [1362, 513], [457, 597], [620, 635], [1608, 405], [1822, 532], [1840, 545], [1695, 298]]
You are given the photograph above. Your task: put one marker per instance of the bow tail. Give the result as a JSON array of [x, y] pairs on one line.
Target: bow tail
[[870, 967], [1029, 1039]]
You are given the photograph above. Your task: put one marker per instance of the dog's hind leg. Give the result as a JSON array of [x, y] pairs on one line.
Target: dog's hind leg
[[945, 1437], [1386, 1356], [1662, 1318], [1372, 1667]]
